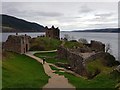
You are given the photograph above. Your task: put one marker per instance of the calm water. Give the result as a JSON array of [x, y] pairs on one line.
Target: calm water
[[111, 38]]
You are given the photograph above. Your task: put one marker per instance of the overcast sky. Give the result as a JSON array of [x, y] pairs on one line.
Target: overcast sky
[[66, 15]]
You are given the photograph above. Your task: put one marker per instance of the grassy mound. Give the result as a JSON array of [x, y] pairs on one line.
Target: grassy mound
[[44, 43], [20, 71]]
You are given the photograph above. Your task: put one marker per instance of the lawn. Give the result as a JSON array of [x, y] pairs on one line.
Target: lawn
[[50, 57], [20, 71]]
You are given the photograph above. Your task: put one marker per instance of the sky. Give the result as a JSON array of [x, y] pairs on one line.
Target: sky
[[66, 15]]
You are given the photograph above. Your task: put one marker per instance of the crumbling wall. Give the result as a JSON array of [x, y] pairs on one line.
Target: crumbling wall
[[97, 46], [62, 52], [17, 43], [77, 63], [12, 44], [75, 60], [95, 56]]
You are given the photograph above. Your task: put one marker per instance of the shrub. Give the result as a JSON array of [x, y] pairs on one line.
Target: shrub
[[82, 40], [109, 60]]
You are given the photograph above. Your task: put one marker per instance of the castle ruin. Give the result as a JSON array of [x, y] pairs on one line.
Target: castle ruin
[[17, 43], [52, 32], [78, 59]]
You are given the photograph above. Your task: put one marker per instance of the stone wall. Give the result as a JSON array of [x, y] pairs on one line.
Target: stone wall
[[75, 60], [17, 43], [77, 63], [62, 52], [76, 57]]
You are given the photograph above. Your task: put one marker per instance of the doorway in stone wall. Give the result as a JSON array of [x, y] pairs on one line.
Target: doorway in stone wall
[[26, 47]]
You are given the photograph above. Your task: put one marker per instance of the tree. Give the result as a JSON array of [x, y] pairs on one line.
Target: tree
[[108, 48], [66, 37], [72, 38], [82, 40]]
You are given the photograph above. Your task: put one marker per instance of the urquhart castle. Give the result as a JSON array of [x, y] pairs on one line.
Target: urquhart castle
[[77, 57]]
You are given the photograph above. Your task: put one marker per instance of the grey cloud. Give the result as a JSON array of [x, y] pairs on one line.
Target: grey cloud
[[85, 9], [15, 9], [32, 13], [104, 14], [103, 25], [49, 14]]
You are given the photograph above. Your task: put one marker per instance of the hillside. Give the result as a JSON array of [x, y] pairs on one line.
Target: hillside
[[109, 30], [13, 24], [20, 71]]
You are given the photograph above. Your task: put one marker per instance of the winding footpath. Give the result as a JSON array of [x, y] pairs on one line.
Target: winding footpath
[[56, 81]]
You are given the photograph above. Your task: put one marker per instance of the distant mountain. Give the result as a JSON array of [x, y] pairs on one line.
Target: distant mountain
[[109, 30], [13, 24]]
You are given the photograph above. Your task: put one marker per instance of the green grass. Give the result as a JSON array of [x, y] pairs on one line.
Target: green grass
[[50, 57], [44, 43], [101, 81], [97, 64], [20, 71], [48, 54], [54, 68]]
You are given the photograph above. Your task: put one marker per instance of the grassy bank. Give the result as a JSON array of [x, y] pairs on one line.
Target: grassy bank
[[102, 81], [20, 71], [50, 57]]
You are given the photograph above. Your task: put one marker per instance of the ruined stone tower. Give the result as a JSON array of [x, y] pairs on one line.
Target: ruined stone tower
[[17, 43], [52, 32]]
